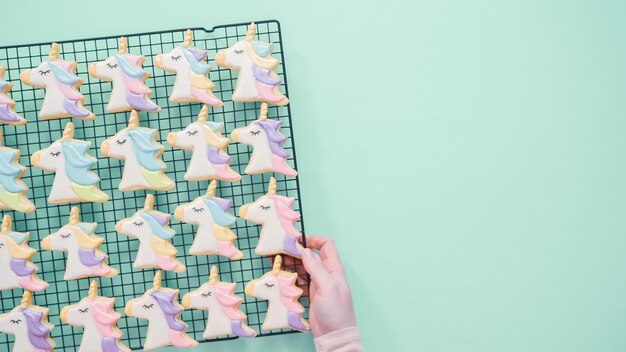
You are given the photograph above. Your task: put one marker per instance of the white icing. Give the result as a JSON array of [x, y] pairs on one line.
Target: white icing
[[20, 331], [146, 257], [277, 313], [182, 83]]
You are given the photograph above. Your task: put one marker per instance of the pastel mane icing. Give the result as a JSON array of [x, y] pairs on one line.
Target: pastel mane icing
[[68, 158], [97, 317], [12, 188], [78, 239], [214, 236], [7, 105], [143, 167], [29, 324], [219, 299], [125, 72], [16, 266], [209, 160], [266, 140], [257, 80], [192, 83], [62, 98], [151, 228]]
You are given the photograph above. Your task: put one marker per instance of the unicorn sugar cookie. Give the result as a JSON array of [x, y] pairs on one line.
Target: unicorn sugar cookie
[[219, 299], [266, 140], [125, 72], [159, 305], [15, 260], [279, 288], [151, 228], [57, 77], [68, 158], [78, 239], [192, 83], [214, 236], [29, 324], [97, 317], [137, 146], [257, 80], [274, 213], [12, 188], [7, 114], [208, 159]]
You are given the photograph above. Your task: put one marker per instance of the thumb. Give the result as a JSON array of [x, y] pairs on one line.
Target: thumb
[[315, 268]]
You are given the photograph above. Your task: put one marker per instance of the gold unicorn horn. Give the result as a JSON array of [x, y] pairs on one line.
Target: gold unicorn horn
[[204, 113], [6, 223], [68, 132], [133, 122], [93, 289], [272, 188], [213, 276], [278, 261], [123, 46], [156, 283], [251, 32], [187, 40], [263, 115], [74, 216], [54, 52], [27, 299], [149, 203], [210, 193]]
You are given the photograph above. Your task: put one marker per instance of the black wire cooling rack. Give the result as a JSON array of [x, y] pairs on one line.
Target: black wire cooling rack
[[38, 134]]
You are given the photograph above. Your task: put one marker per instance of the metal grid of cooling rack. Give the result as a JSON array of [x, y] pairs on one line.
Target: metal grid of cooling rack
[[38, 134]]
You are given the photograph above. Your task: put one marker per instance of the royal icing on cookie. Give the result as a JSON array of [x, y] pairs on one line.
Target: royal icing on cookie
[[268, 154], [151, 228], [97, 317], [78, 239], [159, 305], [219, 299], [208, 159], [12, 189], [125, 72], [7, 114], [279, 288], [29, 324], [15, 260], [274, 213], [57, 76], [192, 83], [137, 146], [214, 236], [257, 80], [69, 159]]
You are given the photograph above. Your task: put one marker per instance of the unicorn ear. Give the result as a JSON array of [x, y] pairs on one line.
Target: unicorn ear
[[215, 126], [262, 49], [62, 75]]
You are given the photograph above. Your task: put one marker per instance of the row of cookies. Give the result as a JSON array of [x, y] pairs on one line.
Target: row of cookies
[[256, 81], [159, 306]]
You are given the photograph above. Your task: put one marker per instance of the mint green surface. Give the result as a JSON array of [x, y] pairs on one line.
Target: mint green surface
[[467, 158]]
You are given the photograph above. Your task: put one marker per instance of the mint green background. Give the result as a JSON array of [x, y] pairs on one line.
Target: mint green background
[[466, 157]]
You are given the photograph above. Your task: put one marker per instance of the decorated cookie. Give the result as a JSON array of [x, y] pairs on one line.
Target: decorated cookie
[[68, 158], [225, 317], [273, 212], [97, 317], [253, 60], [159, 305], [214, 236], [57, 76], [125, 72], [7, 114], [268, 154], [29, 324], [151, 228], [208, 159], [192, 83], [78, 239], [12, 189], [137, 146], [15, 260], [279, 288]]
